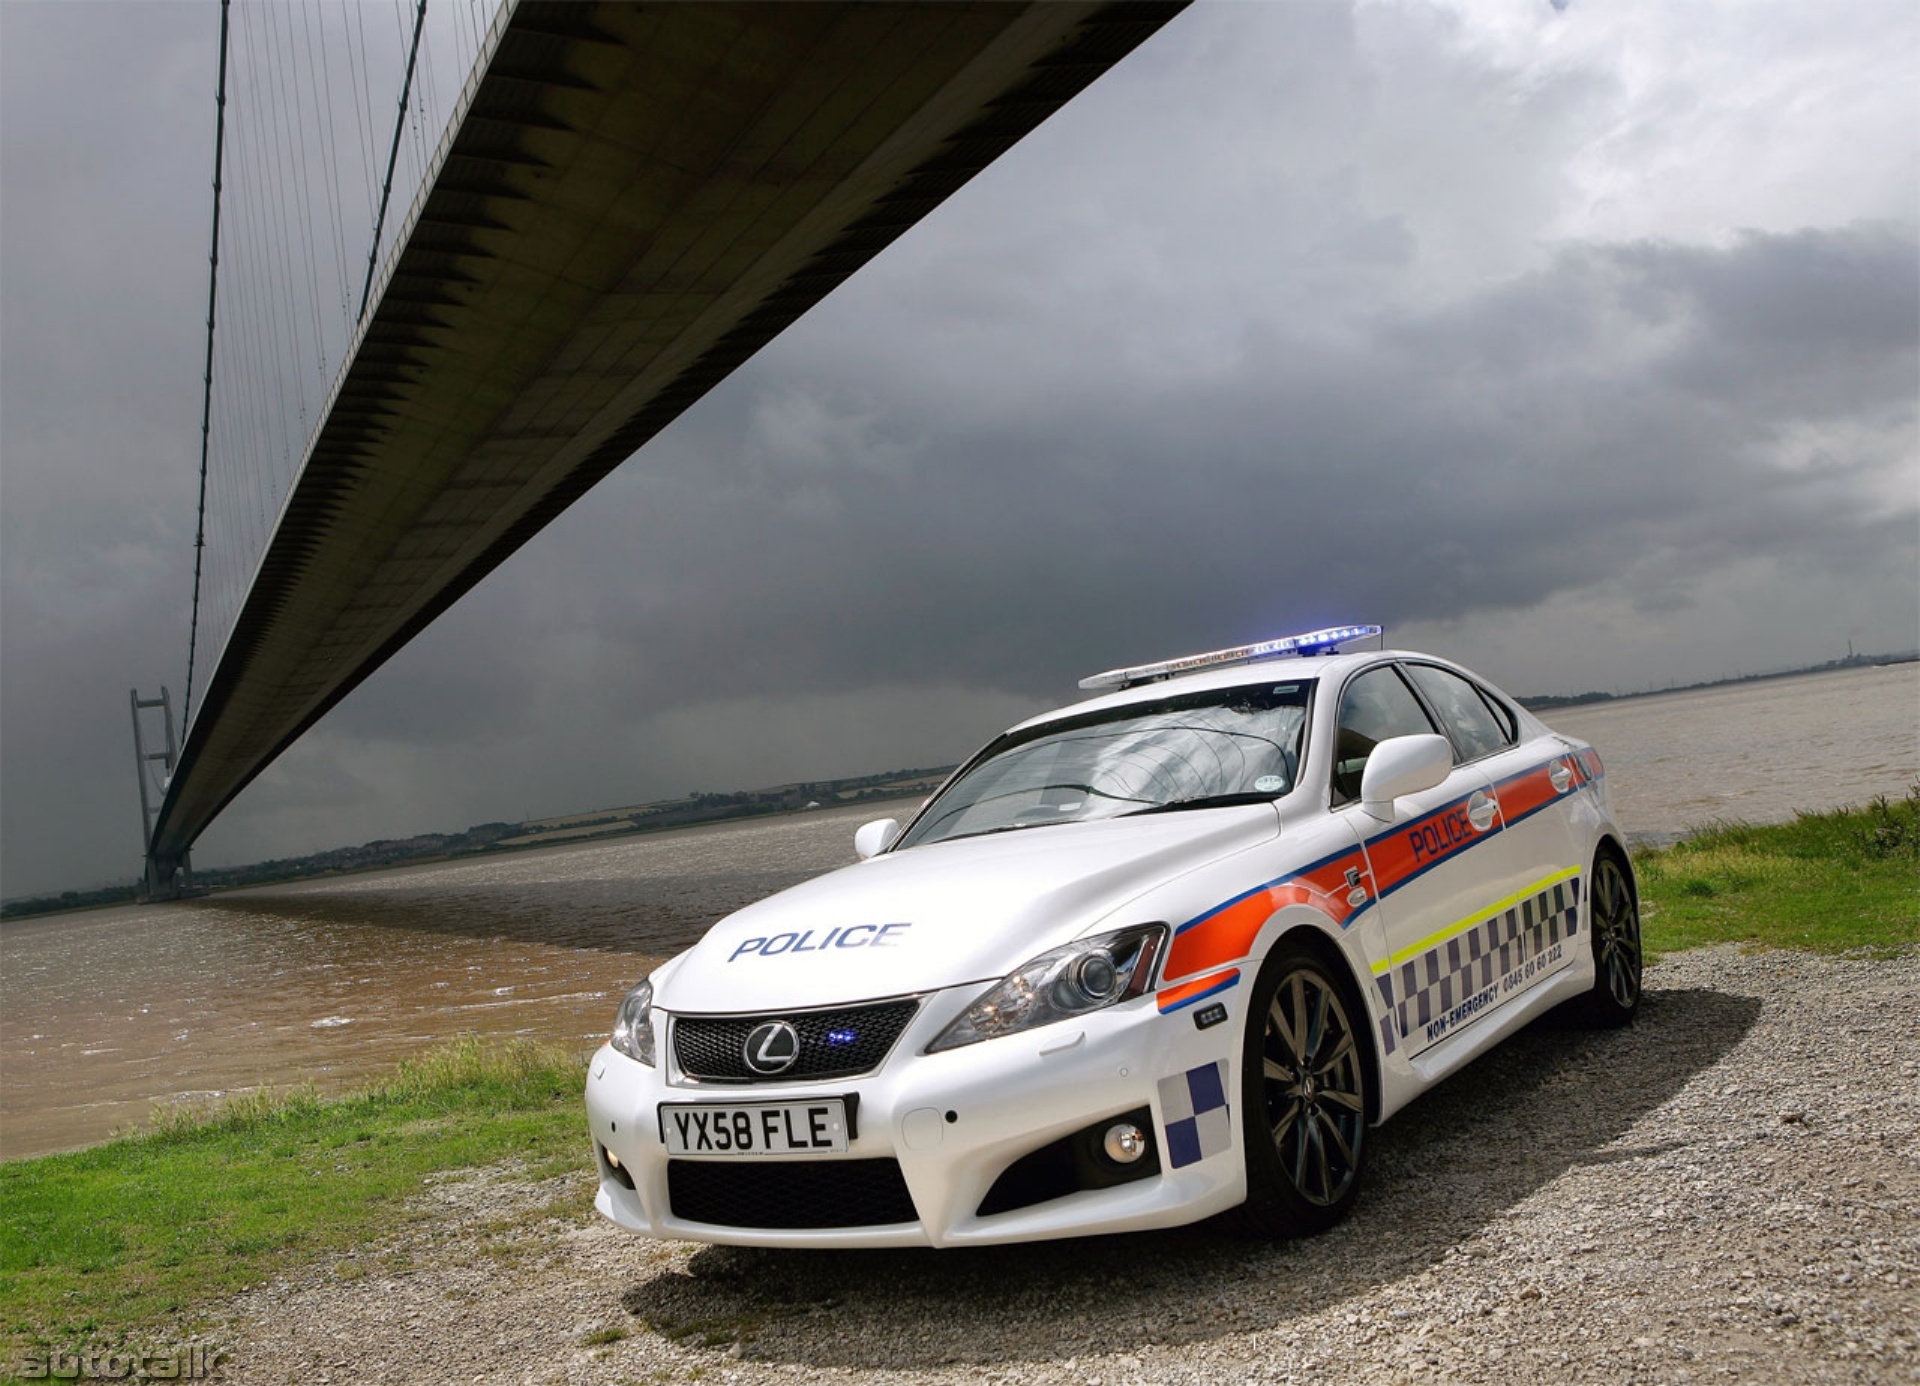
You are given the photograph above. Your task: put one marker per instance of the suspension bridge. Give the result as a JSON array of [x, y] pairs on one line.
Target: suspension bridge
[[463, 269]]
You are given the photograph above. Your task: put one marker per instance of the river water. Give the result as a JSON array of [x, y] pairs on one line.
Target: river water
[[332, 981]]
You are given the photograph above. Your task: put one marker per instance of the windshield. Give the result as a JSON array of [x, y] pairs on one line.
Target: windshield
[[1199, 750]]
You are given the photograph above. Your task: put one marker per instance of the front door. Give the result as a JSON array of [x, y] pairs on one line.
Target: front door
[[1430, 868]]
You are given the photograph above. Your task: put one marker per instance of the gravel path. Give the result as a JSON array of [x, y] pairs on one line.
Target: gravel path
[[1727, 1191]]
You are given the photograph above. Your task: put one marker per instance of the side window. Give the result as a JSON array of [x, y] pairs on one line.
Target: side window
[[1509, 724], [1376, 706], [1468, 722]]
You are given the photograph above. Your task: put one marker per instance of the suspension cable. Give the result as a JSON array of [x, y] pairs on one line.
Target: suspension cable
[[206, 398], [393, 154]]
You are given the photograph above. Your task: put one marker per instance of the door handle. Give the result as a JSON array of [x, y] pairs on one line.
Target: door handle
[[1481, 809], [1561, 775]]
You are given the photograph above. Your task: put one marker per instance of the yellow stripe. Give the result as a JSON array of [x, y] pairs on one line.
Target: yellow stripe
[[1476, 918]]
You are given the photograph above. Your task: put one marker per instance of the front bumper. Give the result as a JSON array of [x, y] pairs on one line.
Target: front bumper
[[954, 1122]]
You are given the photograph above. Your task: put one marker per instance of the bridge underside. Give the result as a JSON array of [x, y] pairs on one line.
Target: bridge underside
[[637, 199]]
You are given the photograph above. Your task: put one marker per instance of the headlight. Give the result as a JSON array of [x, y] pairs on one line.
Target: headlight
[[1084, 976], [633, 1024]]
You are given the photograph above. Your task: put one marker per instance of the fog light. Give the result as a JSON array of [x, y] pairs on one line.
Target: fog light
[[612, 1158], [1124, 1143]]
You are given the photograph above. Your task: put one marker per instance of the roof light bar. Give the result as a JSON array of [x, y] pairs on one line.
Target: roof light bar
[[1314, 642]]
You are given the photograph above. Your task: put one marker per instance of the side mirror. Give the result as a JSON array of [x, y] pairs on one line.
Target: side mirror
[[1403, 765], [873, 837]]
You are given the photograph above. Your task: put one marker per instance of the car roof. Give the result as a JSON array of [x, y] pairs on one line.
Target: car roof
[[1279, 669]]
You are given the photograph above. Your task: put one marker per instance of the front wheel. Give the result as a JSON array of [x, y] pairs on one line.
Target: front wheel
[[1303, 1096], [1613, 914]]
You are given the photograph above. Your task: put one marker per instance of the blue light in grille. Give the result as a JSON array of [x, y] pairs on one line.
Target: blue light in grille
[[840, 1038]]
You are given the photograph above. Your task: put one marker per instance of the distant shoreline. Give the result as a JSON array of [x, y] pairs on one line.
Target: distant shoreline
[[320, 866], [1545, 701], [693, 810]]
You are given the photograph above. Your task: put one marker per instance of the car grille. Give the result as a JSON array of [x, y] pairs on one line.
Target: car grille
[[833, 1044], [789, 1194]]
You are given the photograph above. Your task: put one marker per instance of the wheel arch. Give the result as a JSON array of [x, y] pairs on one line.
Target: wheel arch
[[1601, 1006], [1610, 845], [1309, 934]]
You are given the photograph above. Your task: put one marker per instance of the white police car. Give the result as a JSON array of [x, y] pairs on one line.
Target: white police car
[[1144, 959]]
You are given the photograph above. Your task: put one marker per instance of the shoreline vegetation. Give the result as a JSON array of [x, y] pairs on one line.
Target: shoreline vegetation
[[701, 807], [143, 1237], [1843, 881], [691, 810], [1551, 701]]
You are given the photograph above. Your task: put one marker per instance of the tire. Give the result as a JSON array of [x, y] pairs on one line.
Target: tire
[[1305, 1091], [1613, 924]]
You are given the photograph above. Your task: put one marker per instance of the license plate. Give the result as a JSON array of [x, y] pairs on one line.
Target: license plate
[[760, 1128]]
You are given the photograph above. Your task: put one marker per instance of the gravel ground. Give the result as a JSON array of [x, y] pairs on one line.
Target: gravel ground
[[1727, 1191]]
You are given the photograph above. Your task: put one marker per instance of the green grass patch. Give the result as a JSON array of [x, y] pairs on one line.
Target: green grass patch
[[125, 1241], [1834, 882]]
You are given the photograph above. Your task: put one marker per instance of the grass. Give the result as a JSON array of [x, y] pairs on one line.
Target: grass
[[129, 1238], [1845, 881]]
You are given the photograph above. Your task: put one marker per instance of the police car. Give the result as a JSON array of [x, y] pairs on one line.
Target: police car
[[1161, 954]]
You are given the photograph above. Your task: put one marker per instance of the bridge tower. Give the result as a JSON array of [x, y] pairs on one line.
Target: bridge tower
[[166, 878]]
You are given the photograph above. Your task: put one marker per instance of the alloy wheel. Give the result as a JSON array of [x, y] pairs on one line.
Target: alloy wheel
[[1315, 1086], [1616, 926]]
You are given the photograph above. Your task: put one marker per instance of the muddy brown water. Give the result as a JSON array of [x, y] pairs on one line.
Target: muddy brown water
[[332, 981]]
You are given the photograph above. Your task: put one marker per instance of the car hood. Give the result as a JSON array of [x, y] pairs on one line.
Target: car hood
[[946, 913]]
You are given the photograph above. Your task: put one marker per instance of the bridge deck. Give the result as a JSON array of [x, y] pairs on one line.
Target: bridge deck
[[636, 199]]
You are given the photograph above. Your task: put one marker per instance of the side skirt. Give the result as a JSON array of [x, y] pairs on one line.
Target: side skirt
[[1457, 1050]]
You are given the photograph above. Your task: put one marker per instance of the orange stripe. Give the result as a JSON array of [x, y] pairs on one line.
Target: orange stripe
[[1227, 935], [1525, 793], [1170, 997]]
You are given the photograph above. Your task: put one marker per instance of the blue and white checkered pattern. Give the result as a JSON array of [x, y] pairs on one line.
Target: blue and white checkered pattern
[[1429, 985], [1193, 1105]]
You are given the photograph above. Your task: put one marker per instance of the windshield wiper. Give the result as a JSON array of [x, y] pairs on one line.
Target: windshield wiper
[[1206, 801], [1013, 828]]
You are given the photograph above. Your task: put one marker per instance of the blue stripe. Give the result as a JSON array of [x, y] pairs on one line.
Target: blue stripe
[[1547, 804], [1276, 881], [1414, 826], [1585, 783], [1366, 845], [1455, 855], [1216, 988], [1499, 827]]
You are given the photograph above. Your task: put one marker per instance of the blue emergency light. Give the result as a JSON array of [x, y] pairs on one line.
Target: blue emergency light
[[1314, 642]]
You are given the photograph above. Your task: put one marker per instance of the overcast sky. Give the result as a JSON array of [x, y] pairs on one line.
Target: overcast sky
[[1580, 343]]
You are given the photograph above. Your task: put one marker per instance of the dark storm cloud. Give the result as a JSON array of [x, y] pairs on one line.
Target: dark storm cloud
[[1573, 426]]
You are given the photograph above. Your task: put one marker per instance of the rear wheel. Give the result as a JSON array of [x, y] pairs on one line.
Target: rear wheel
[[1613, 914], [1304, 1093]]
